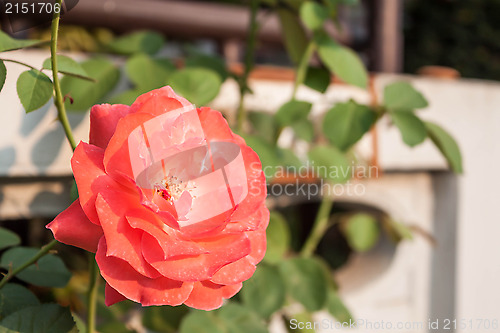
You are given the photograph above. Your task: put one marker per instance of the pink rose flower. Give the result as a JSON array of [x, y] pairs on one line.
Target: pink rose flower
[[170, 200]]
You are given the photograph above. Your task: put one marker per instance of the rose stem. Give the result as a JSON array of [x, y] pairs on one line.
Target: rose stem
[[61, 110], [63, 118], [319, 227], [43, 251], [92, 293], [249, 63], [302, 67], [300, 76]]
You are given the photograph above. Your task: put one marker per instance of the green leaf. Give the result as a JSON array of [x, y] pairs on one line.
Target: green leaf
[[113, 327], [126, 97], [361, 231], [305, 282], [165, 319], [8, 238], [14, 297], [85, 93], [267, 153], [264, 293], [34, 89], [278, 238], [293, 4], [49, 271], [148, 73], [288, 158], [411, 127], [214, 63], [317, 78], [296, 40], [292, 112], [271, 3], [197, 85], [264, 124], [8, 44], [402, 95], [201, 322], [302, 322], [446, 145], [45, 318], [239, 319], [337, 308], [304, 130], [3, 74], [346, 123], [80, 324], [68, 66], [330, 163], [343, 62], [148, 42], [395, 230], [313, 15]]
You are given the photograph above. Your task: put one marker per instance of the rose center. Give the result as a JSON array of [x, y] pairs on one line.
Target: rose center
[[171, 188]]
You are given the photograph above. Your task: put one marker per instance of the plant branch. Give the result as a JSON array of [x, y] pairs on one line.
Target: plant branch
[[249, 62], [19, 63], [43, 251], [92, 293], [319, 227], [300, 76], [59, 102]]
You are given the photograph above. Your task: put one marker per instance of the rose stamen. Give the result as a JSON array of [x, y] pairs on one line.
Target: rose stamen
[[171, 188]]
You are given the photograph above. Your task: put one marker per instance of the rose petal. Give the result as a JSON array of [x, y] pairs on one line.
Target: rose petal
[[221, 251], [257, 220], [72, 227], [117, 158], [214, 125], [136, 287], [234, 272], [259, 244], [171, 245], [122, 240], [157, 105], [216, 128], [207, 228], [210, 296], [257, 190], [103, 121], [90, 177], [111, 296], [152, 102]]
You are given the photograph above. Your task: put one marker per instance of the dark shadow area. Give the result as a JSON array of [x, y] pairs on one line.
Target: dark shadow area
[[443, 272], [7, 158]]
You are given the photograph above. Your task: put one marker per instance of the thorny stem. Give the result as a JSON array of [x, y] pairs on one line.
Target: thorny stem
[[58, 100], [43, 251]]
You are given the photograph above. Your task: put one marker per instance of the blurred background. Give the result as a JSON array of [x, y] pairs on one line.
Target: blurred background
[[449, 50]]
